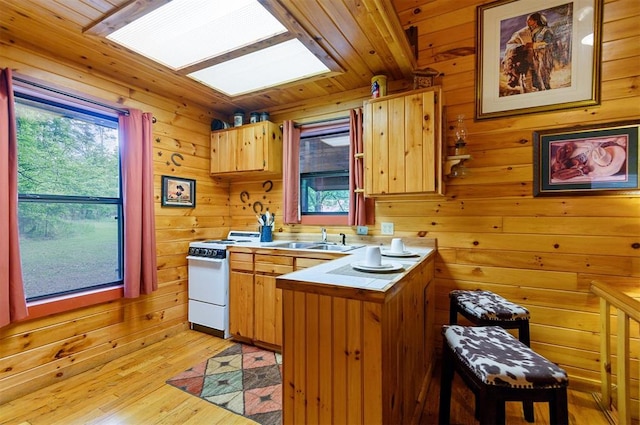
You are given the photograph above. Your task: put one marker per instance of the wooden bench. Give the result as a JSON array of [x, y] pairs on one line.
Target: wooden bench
[[499, 368], [485, 308]]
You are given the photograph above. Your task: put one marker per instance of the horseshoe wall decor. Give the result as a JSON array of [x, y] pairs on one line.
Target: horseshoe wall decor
[[255, 204], [268, 183], [173, 159], [242, 196]]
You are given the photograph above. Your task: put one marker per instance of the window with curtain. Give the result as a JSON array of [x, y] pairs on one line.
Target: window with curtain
[[69, 197], [324, 171]]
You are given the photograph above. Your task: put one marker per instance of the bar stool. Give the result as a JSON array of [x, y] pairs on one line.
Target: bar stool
[[485, 308], [499, 368]]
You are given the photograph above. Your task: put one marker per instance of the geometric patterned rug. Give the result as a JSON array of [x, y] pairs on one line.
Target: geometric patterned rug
[[243, 379]]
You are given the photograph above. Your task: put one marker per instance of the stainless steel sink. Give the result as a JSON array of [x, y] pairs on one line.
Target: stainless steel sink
[[319, 246], [335, 248], [293, 245]]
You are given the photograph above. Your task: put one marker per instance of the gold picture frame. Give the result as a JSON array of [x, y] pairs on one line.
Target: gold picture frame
[[537, 57]]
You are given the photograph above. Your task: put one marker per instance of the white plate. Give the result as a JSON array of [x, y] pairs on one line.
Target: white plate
[[388, 253], [385, 267]]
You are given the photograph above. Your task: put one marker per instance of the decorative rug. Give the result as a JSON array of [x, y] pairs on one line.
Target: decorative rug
[[244, 379]]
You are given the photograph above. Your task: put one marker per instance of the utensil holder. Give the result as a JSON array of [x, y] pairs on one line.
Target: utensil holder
[[266, 234]]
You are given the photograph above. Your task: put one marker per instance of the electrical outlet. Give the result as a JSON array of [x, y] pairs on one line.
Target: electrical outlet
[[386, 228], [362, 230]]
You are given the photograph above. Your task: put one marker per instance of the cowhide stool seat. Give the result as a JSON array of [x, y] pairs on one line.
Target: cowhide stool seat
[[485, 308], [499, 368]]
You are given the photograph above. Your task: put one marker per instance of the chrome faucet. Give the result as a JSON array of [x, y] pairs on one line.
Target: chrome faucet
[[324, 234]]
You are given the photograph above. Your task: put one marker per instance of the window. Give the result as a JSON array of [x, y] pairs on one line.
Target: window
[[69, 197], [235, 47], [324, 171]]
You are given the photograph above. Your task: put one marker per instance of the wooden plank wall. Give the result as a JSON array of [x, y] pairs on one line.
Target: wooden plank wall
[[492, 233], [42, 351], [541, 252]]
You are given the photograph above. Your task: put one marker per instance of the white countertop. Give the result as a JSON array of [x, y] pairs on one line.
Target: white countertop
[[340, 272]]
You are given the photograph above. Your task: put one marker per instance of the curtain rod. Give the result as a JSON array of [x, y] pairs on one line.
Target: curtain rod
[[73, 96], [319, 122]]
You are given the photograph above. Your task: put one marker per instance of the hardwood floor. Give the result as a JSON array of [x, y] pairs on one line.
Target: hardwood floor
[[132, 390]]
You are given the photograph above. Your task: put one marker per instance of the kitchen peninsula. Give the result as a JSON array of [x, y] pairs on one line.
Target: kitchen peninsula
[[357, 347]]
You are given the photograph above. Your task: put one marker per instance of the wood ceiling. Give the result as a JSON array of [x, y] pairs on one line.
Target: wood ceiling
[[363, 36]]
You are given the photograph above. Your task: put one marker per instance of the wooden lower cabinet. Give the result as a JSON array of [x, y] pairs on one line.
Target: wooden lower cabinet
[[255, 304], [268, 299], [350, 356], [241, 295]]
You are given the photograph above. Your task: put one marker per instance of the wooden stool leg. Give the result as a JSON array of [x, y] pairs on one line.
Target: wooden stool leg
[[523, 333], [446, 379], [558, 409], [501, 412], [453, 311], [489, 415], [527, 406], [524, 337]]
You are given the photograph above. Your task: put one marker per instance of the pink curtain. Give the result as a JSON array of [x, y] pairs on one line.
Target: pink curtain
[[13, 304], [361, 211], [136, 152], [291, 172]]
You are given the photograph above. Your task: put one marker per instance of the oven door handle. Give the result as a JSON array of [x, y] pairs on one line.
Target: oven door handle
[[211, 260]]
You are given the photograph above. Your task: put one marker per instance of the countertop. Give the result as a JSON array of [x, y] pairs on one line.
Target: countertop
[[340, 272]]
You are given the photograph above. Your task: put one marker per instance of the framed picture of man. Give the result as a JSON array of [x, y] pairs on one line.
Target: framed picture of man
[[178, 192], [537, 56]]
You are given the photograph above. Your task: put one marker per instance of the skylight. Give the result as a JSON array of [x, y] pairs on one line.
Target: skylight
[[235, 47], [279, 64]]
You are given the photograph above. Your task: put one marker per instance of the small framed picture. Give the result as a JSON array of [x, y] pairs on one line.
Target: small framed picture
[[178, 192], [586, 160]]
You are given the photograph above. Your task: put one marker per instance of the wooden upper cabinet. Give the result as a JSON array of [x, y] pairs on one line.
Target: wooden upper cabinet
[[250, 148], [403, 143]]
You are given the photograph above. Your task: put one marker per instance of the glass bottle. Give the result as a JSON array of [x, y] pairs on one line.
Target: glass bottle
[[461, 136]]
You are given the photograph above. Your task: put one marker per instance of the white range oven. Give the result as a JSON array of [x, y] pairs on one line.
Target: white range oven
[[209, 282]]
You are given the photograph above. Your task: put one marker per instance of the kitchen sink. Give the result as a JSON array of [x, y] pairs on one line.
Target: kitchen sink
[[316, 246], [335, 248], [293, 245]]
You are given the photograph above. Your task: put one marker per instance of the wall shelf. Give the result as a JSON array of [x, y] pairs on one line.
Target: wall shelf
[[452, 160]]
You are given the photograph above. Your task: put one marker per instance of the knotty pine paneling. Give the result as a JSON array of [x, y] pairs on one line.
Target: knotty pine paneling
[[42, 351], [482, 223], [601, 264], [492, 233]]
